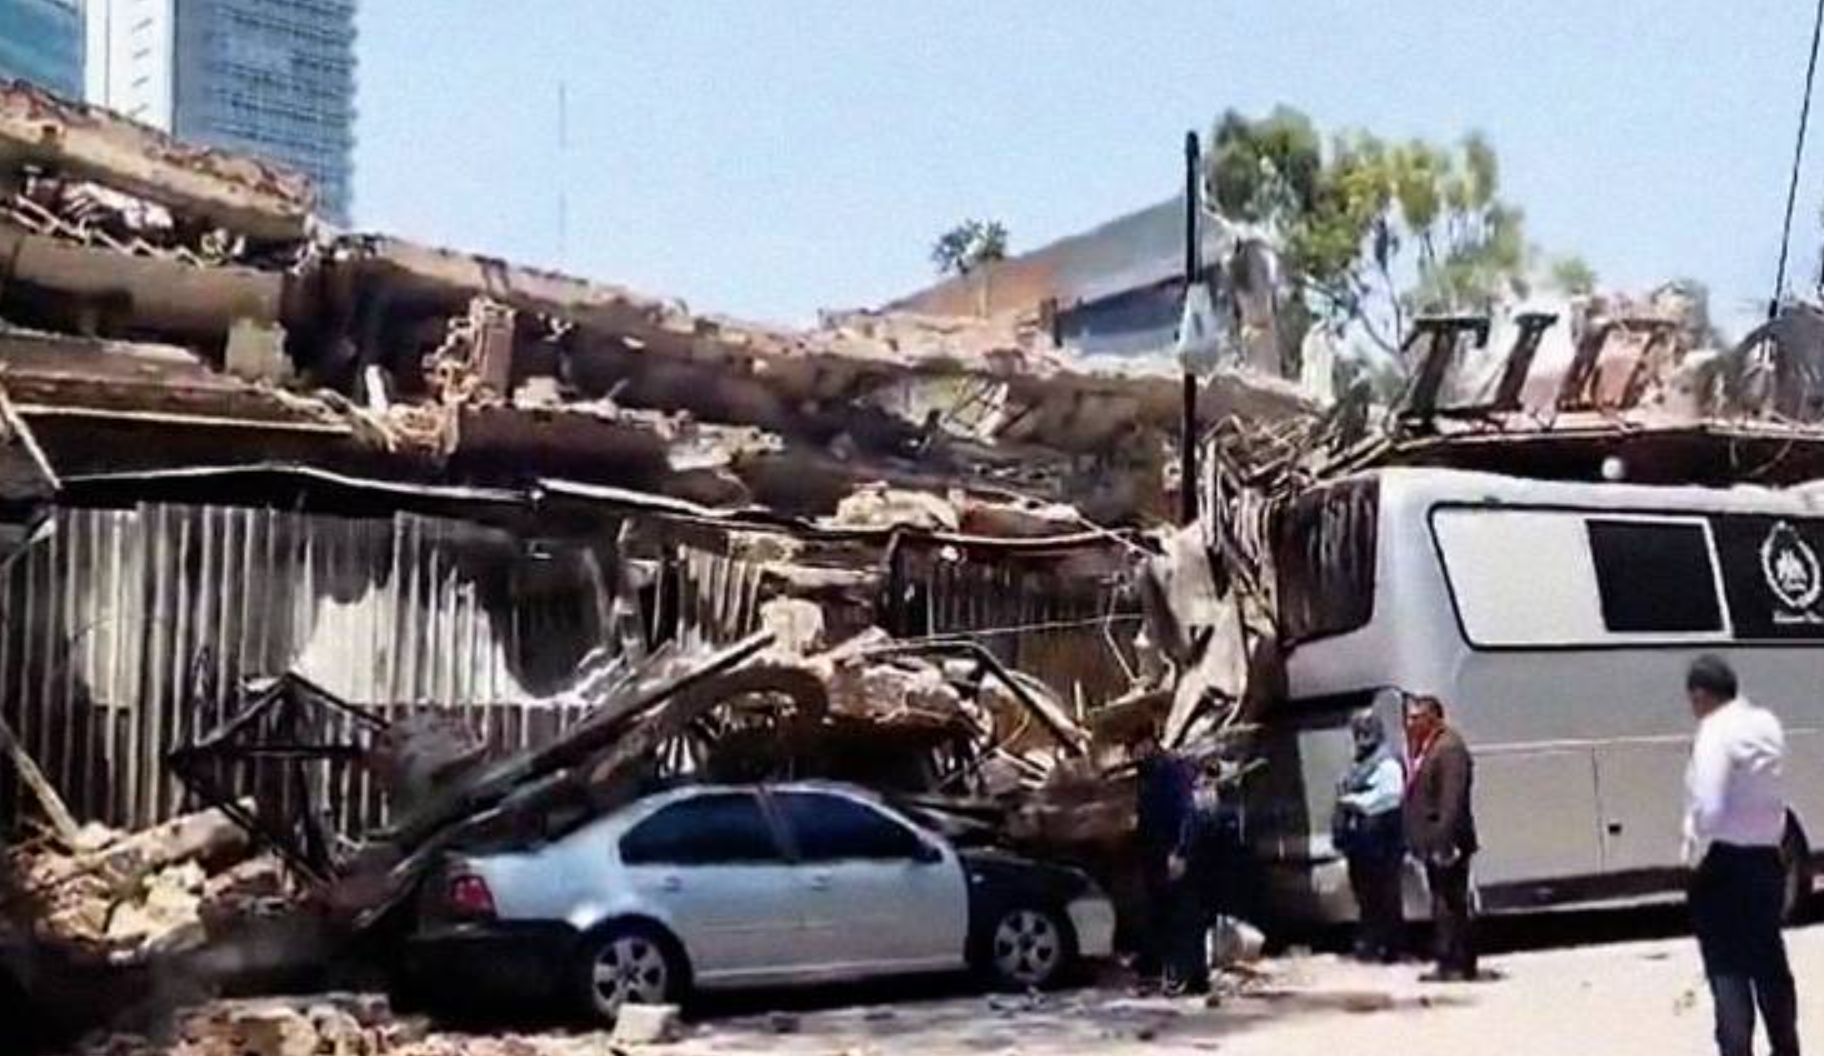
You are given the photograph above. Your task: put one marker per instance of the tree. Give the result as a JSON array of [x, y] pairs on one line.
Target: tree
[[1573, 276], [1372, 232], [969, 245]]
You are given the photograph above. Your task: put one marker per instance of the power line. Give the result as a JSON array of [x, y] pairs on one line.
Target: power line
[[563, 175], [1798, 157]]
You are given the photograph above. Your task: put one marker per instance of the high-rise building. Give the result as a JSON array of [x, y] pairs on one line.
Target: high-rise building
[[41, 42], [272, 78]]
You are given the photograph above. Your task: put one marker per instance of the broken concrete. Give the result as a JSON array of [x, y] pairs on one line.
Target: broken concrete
[[647, 1025], [231, 191], [126, 895]]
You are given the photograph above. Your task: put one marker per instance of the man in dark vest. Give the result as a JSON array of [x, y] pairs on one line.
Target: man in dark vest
[[1167, 822], [1440, 828]]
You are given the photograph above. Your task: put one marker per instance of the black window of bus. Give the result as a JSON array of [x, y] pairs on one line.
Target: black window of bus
[[1323, 556], [1654, 577]]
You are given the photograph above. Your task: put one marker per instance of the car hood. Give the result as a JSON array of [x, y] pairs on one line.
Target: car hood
[[992, 866]]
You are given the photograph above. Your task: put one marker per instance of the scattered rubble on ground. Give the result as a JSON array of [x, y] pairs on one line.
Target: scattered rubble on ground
[[1293, 1004]]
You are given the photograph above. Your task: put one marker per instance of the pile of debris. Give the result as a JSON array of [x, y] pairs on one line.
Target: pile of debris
[[944, 724], [138, 896], [333, 1024], [349, 1024]]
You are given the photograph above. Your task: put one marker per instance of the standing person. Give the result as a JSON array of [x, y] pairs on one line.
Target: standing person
[[1367, 830], [1735, 822], [1440, 829], [1166, 818]]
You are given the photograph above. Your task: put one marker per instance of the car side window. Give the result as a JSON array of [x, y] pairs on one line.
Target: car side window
[[714, 829], [830, 828]]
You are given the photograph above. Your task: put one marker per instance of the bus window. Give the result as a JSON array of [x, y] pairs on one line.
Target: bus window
[[1654, 577], [1323, 554], [1586, 580], [1547, 600]]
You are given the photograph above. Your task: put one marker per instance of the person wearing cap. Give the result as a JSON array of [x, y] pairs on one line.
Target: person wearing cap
[[1735, 825]]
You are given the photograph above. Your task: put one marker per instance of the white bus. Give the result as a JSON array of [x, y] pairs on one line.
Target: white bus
[[1555, 620]]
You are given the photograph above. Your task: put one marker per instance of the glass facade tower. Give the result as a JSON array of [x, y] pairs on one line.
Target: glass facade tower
[[41, 42], [271, 78]]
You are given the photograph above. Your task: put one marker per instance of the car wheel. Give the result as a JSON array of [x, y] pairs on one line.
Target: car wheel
[[1029, 948], [629, 964]]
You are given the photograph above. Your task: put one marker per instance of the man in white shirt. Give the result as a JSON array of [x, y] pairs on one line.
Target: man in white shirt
[[1735, 823]]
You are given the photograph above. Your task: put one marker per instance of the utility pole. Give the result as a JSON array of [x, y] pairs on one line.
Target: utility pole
[[1193, 269]]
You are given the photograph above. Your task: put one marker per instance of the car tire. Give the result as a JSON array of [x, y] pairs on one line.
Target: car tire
[[628, 962], [1028, 947]]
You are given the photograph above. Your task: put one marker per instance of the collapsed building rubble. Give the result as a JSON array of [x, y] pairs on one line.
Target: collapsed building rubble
[[184, 345], [143, 893], [376, 549]]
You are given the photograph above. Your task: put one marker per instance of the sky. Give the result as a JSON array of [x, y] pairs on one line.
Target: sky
[[768, 159]]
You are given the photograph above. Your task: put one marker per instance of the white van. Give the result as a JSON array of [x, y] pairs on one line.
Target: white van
[[1555, 620]]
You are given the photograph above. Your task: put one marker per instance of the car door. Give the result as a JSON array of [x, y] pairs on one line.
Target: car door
[[880, 896], [712, 869]]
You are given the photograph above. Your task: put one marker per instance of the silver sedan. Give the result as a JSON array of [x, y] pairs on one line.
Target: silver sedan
[[712, 887]]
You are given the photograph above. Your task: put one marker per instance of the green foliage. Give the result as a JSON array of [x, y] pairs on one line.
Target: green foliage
[[1573, 276], [969, 245], [1373, 231]]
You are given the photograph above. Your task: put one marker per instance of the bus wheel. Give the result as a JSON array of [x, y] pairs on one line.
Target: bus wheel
[[1797, 854]]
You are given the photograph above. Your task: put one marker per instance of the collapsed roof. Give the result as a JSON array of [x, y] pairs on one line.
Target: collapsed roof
[[166, 306]]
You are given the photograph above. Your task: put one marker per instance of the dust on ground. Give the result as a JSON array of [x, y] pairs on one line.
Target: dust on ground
[[1635, 997]]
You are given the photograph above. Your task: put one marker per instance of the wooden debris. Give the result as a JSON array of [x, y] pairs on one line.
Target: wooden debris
[[62, 822]]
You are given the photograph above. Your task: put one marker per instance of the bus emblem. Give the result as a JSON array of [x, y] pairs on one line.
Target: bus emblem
[[1791, 568]]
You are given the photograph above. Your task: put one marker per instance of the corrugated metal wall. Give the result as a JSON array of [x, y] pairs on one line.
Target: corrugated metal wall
[[125, 632], [1074, 633]]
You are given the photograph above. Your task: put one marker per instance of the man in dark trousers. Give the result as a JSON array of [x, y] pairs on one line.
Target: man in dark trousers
[[1368, 830], [1735, 823], [1166, 814], [1440, 828]]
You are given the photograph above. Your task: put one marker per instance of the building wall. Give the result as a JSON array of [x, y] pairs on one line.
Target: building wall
[[130, 65], [42, 41], [1135, 251], [272, 78]]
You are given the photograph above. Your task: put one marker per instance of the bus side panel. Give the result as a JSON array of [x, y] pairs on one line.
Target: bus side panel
[[1625, 708], [1640, 791], [1296, 793], [1536, 811], [1290, 804], [1805, 780]]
